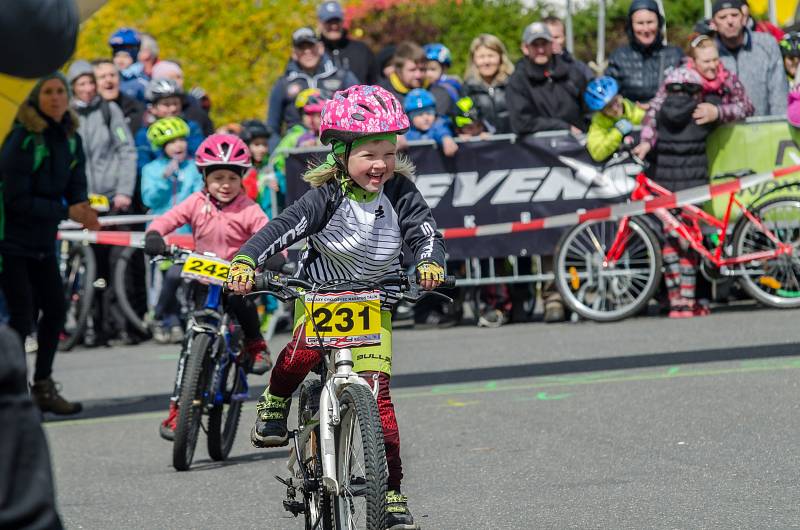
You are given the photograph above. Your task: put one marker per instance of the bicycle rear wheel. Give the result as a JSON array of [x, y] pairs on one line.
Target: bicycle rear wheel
[[772, 281], [223, 418], [191, 402], [603, 291], [318, 514], [79, 274], [360, 463], [124, 286]]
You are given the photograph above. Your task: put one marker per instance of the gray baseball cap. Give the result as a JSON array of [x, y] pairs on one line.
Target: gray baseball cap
[[304, 35], [330, 10], [534, 31]]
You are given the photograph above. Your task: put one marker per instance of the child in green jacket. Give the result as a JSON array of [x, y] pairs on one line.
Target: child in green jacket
[[613, 119]]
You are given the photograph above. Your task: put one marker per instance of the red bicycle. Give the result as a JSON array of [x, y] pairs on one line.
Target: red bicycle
[[607, 270]]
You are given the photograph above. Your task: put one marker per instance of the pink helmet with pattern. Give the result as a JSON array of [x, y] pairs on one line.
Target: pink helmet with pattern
[[361, 110], [225, 150]]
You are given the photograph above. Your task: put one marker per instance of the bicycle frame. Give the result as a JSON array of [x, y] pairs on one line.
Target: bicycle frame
[[646, 189], [339, 376]]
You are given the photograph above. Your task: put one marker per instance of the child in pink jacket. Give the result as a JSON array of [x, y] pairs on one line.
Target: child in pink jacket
[[222, 218]]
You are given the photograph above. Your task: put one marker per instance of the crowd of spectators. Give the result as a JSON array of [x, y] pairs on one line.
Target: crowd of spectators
[[140, 126]]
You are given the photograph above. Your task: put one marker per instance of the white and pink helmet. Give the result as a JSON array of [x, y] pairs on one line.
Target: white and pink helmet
[[361, 110], [226, 150]]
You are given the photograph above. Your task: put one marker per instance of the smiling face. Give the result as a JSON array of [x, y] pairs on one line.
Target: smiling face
[[53, 99], [107, 81], [308, 55], [332, 29], [224, 184], [706, 61], [84, 88], [645, 26], [372, 164], [487, 61]]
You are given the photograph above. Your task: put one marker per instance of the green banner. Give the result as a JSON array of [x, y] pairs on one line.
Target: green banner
[[759, 146]]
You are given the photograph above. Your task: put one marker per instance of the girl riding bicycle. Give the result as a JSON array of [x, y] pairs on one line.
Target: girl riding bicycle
[[362, 207], [222, 218]]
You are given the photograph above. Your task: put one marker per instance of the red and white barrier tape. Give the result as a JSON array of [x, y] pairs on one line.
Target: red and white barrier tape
[[682, 198], [114, 220], [122, 239], [616, 211]]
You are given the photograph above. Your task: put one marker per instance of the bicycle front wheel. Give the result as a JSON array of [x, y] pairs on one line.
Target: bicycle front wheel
[[602, 289], [191, 402], [223, 418], [773, 281], [360, 463]]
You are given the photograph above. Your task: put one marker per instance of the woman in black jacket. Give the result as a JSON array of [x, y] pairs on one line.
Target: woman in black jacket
[[639, 66], [486, 78], [42, 171]]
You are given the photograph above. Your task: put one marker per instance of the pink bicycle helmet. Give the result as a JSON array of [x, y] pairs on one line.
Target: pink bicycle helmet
[[223, 150], [359, 111]]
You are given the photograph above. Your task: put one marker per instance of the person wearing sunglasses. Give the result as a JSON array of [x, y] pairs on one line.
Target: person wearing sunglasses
[[691, 102]]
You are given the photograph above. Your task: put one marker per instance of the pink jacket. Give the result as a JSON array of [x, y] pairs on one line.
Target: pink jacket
[[222, 231]]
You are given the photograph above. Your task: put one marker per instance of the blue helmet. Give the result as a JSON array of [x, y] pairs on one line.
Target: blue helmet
[[600, 92], [125, 39], [418, 99], [438, 52]]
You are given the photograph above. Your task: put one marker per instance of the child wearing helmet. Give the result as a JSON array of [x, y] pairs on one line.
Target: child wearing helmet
[[125, 44], [167, 181], [222, 218], [362, 208], [613, 119], [468, 120], [255, 134], [790, 50], [425, 124], [165, 100], [445, 88]]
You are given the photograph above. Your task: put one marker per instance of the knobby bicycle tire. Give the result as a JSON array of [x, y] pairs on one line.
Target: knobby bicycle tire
[[70, 338], [191, 402], [317, 501], [358, 404], [773, 296], [121, 291], [221, 434]]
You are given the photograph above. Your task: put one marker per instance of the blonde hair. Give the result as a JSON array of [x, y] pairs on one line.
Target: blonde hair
[[698, 42], [496, 45], [318, 175]]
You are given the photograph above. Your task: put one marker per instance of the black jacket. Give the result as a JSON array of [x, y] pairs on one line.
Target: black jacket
[[546, 98], [491, 101], [25, 477], [133, 110], [192, 111], [35, 202], [353, 55], [639, 70], [680, 152]]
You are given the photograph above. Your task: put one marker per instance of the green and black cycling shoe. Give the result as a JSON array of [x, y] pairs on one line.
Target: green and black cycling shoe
[[398, 516], [270, 429]]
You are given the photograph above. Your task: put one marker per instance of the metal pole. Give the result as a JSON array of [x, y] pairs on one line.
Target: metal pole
[[601, 33], [707, 10], [568, 24], [664, 18], [773, 12]]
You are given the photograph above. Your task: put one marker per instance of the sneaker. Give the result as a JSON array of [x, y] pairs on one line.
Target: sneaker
[[270, 429], [168, 426], [398, 516], [176, 334], [257, 351], [492, 318], [681, 312], [702, 309], [554, 311], [46, 395], [161, 334]]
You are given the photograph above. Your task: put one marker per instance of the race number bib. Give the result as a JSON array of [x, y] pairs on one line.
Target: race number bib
[[99, 203], [207, 269], [343, 320]]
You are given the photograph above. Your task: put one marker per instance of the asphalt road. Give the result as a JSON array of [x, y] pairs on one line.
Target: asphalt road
[[648, 423]]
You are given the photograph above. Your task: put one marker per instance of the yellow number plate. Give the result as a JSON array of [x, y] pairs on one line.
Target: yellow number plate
[[343, 320], [206, 269], [99, 203]]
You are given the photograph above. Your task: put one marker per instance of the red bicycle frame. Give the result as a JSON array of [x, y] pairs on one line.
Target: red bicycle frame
[[691, 232]]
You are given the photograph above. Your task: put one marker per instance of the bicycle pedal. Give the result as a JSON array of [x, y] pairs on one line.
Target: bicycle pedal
[[294, 507]]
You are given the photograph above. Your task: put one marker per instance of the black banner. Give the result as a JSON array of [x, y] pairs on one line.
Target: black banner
[[505, 179]]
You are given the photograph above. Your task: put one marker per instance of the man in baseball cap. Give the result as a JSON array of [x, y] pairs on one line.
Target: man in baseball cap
[[754, 57], [346, 53]]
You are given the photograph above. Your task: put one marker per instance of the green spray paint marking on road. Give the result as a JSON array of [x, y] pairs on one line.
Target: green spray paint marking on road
[[673, 370], [745, 367], [544, 396]]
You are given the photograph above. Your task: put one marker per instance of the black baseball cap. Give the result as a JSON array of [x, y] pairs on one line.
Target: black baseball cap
[[719, 5]]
